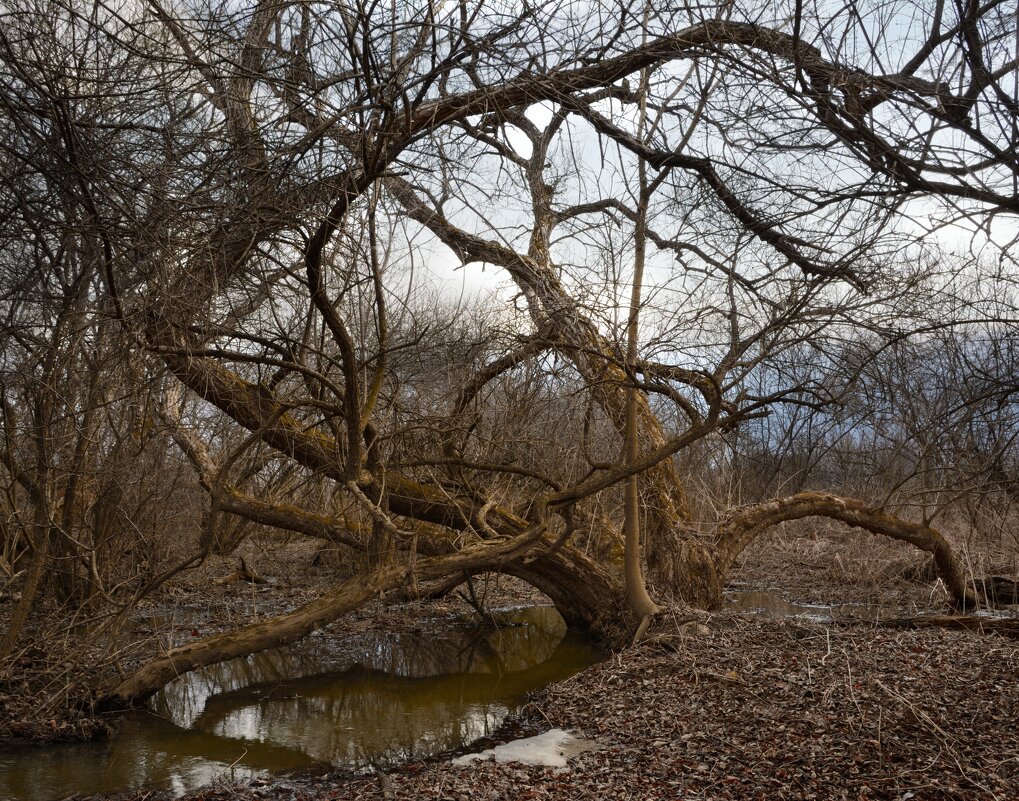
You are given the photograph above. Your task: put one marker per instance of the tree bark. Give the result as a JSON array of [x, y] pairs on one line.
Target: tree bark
[[288, 628], [739, 528], [637, 597]]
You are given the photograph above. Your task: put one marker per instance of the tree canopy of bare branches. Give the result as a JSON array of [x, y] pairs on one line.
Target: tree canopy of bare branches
[[234, 228]]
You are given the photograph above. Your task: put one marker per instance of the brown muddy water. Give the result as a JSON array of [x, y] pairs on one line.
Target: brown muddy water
[[378, 698], [771, 604], [766, 603]]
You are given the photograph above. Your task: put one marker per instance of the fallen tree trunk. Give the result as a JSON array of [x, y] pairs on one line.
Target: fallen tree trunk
[[1005, 626], [586, 593]]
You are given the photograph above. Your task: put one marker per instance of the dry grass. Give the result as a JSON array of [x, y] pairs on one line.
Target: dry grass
[[813, 561]]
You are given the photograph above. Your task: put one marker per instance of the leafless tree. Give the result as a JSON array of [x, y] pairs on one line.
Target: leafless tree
[[251, 186]]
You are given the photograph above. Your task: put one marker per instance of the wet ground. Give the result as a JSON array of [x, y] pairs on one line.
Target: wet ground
[[797, 690], [367, 698]]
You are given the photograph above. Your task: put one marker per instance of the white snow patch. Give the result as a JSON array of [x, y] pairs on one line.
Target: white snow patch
[[550, 749]]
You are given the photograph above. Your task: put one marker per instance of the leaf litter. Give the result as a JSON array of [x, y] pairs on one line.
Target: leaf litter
[[751, 708]]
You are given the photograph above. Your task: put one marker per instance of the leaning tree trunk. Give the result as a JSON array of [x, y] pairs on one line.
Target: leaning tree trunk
[[563, 323], [582, 591], [586, 592], [588, 595]]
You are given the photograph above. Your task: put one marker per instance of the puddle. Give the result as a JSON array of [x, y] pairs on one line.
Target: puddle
[[770, 604], [378, 697]]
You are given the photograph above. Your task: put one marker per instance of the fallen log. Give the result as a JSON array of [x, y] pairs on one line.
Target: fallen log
[[999, 591], [1005, 626]]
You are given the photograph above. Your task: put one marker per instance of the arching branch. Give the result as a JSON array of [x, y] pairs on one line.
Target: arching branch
[[740, 527], [290, 627]]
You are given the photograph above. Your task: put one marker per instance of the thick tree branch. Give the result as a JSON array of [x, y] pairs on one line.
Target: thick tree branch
[[738, 528]]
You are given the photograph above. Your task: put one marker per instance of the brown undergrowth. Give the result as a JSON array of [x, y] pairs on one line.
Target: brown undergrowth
[[812, 562]]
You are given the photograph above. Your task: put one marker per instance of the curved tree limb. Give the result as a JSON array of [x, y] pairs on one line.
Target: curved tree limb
[[290, 627], [739, 527]]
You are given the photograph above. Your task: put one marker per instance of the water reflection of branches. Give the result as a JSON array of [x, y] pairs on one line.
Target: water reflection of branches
[[150, 751], [521, 639], [349, 702], [354, 717]]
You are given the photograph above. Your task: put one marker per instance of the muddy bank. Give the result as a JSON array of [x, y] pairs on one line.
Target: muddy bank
[[755, 709], [759, 707]]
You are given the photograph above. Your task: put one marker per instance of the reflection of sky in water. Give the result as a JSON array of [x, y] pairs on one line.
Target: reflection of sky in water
[[322, 730], [526, 638], [133, 759], [373, 697]]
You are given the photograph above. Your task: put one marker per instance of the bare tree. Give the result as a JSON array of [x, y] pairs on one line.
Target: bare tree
[[257, 180]]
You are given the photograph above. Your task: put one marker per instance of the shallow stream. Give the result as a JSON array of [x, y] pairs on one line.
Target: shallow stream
[[346, 702]]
